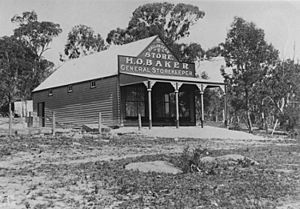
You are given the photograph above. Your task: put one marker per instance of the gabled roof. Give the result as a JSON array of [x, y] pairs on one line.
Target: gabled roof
[[97, 65], [105, 63]]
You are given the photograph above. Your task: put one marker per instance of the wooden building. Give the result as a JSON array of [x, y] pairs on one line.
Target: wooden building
[[142, 77]]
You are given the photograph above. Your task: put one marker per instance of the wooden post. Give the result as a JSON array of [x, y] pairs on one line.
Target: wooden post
[[149, 108], [140, 121], [202, 108], [225, 109], [177, 108], [10, 120], [29, 121], [53, 123], [100, 123]]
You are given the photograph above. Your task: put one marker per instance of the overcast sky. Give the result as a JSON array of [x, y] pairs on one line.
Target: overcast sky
[[279, 19]]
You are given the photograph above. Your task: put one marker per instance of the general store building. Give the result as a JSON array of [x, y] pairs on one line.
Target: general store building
[[142, 77]]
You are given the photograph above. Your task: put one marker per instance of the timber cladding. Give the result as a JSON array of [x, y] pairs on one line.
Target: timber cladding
[[83, 104]]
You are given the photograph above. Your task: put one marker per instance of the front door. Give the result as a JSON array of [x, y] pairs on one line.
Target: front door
[[164, 104]]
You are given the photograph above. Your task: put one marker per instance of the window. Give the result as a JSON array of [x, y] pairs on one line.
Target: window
[[93, 84], [70, 88], [135, 101], [164, 105], [50, 93]]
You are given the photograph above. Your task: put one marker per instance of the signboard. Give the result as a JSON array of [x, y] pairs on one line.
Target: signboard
[[156, 59]]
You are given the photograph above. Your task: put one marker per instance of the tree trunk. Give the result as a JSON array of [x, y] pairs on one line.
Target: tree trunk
[[249, 121], [274, 128], [266, 126], [264, 122]]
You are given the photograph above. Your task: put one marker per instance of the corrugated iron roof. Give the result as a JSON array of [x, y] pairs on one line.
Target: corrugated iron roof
[[97, 65], [105, 63]]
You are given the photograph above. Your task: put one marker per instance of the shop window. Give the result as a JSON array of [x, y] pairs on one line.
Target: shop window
[[135, 101]]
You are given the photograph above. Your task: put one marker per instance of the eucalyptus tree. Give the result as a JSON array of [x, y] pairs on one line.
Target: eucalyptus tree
[[250, 57], [171, 22], [16, 63], [36, 35], [82, 40]]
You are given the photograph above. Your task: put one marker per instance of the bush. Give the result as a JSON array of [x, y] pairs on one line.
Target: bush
[[189, 161]]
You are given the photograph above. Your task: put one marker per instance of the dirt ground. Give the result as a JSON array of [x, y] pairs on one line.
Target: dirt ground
[[48, 172]]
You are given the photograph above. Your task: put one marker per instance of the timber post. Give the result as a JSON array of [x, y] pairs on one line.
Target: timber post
[[176, 86], [149, 85], [225, 107], [100, 122], [149, 108], [140, 121], [202, 88], [10, 120], [177, 108], [202, 108], [53, 123]]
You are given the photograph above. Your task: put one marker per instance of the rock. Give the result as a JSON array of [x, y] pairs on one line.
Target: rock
[[154, 166], [208, 159], [235, 159], [230, 159]]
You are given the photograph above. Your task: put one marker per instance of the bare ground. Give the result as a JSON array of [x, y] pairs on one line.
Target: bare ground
[[42, 172]]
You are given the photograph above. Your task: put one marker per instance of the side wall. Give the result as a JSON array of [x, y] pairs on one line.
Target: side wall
[[83, 104]]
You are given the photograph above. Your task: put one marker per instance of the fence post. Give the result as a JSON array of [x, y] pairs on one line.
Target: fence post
[[53, 123], [140, 121], [100, 123], [10, 120]]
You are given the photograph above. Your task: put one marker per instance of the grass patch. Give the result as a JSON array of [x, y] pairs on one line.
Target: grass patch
[[253, 187]]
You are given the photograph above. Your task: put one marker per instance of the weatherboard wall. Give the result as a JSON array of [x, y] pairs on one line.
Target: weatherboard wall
[[83, 104]]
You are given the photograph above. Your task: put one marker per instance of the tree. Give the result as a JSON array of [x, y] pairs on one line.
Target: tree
[[214, 51], [280, 88], [37, 36], [82, 41], [188, 53], [250, 57], [170, 22], [15, 68]]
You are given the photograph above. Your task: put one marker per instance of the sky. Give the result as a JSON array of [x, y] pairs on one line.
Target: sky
[[279, 19]]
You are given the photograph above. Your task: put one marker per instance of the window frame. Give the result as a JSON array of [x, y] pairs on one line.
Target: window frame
[[93, 84], [50, 92], [137, 101], [70, 88]]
